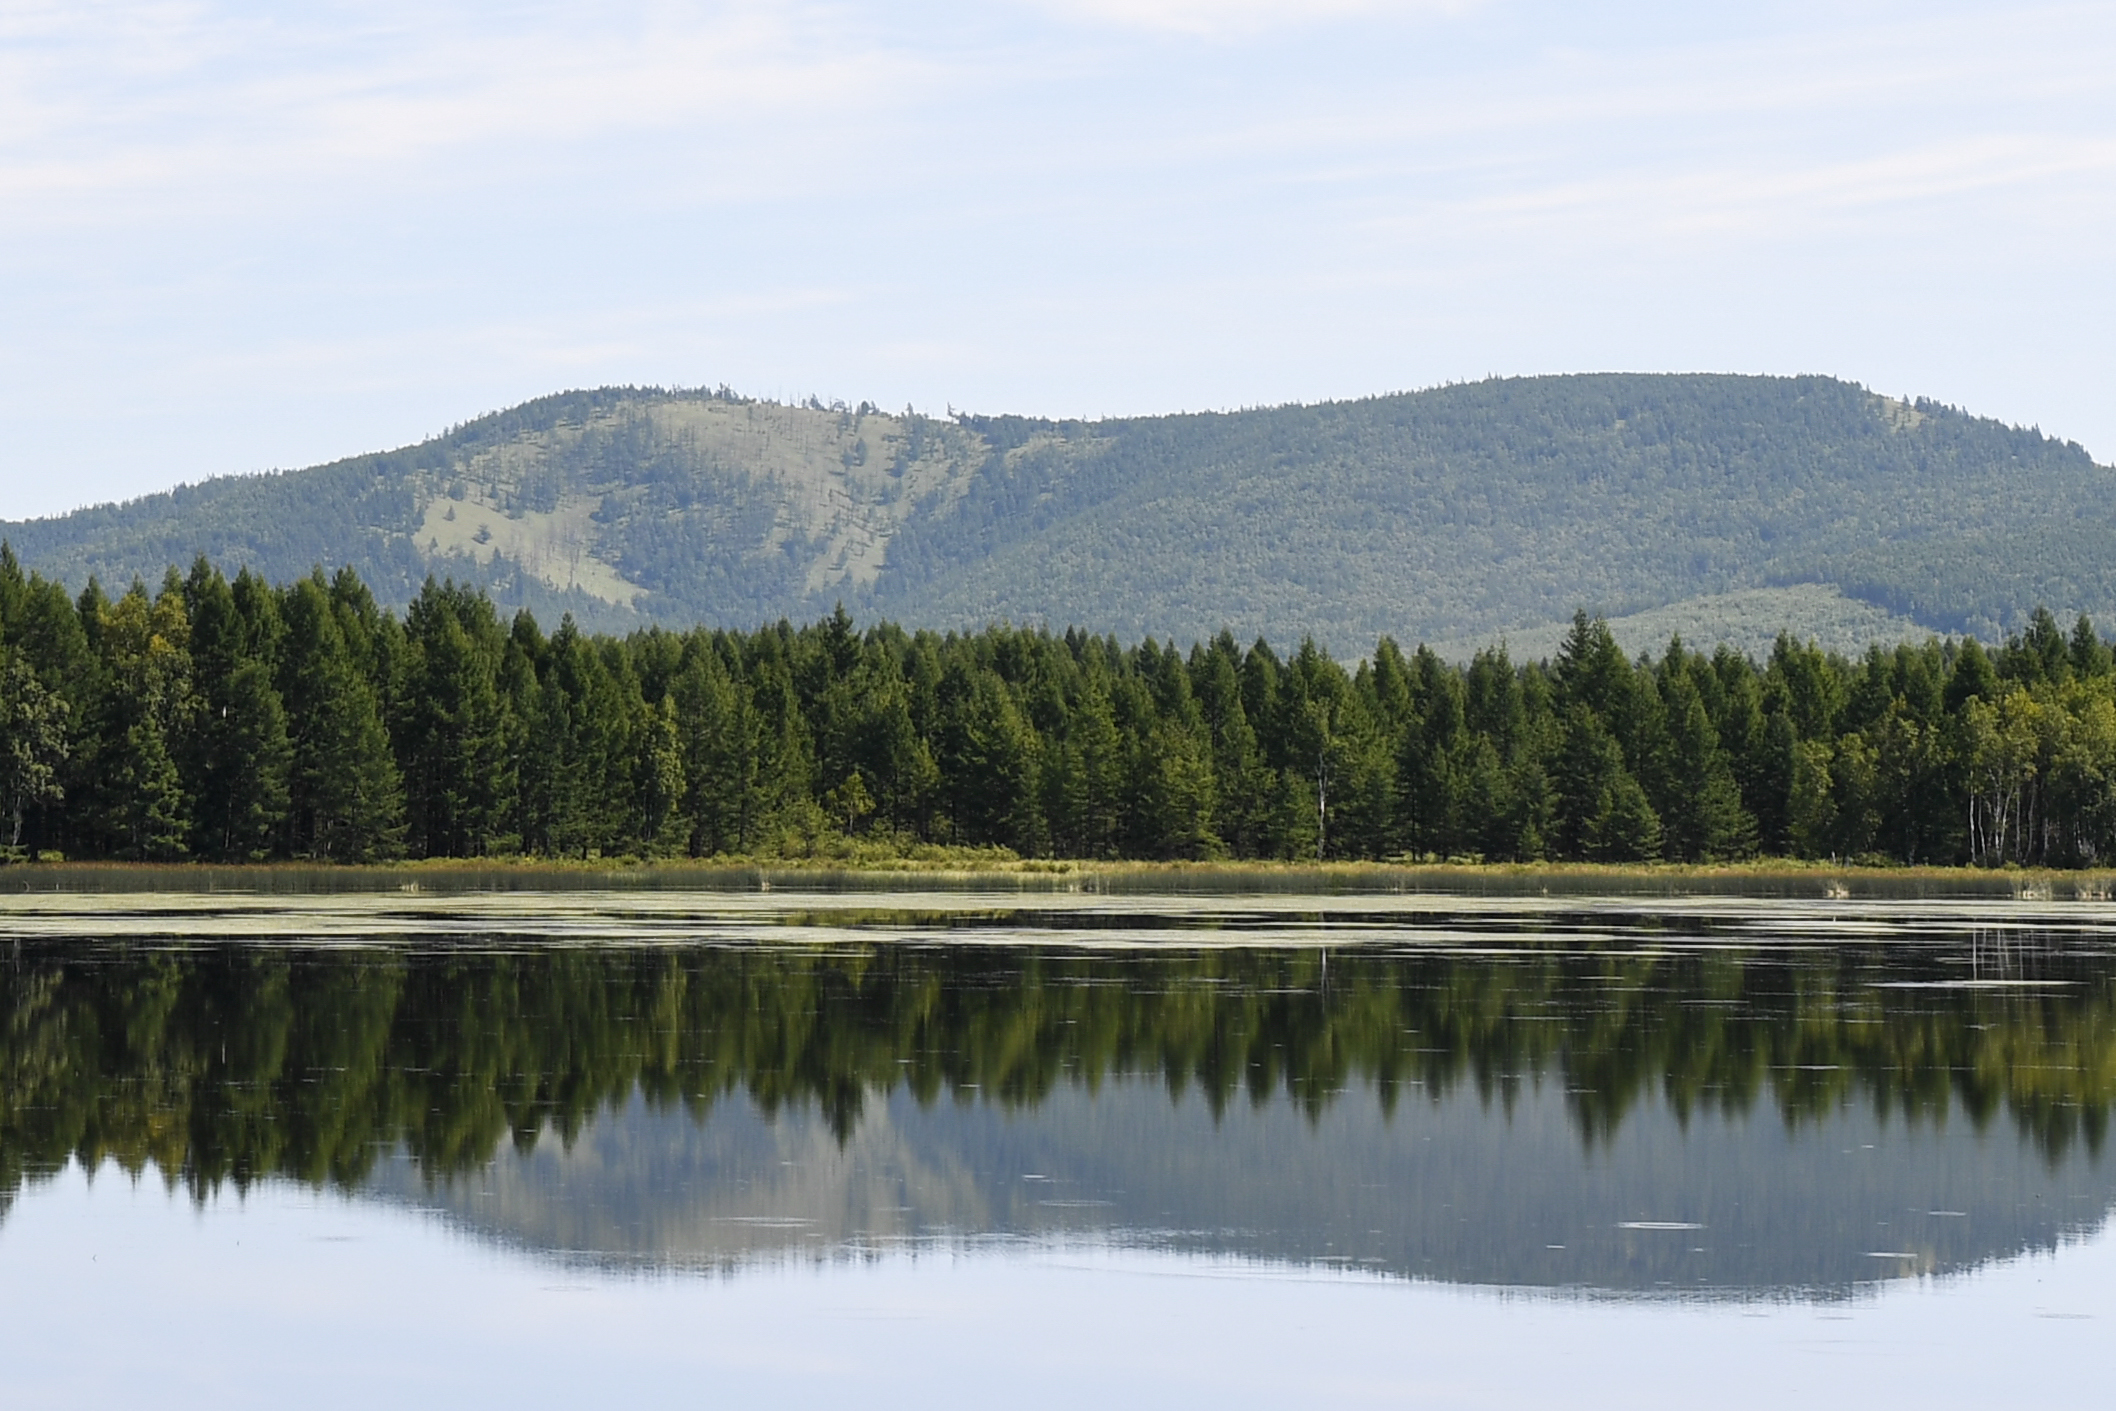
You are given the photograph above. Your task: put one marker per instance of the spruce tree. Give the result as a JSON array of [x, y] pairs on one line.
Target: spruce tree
[[345, 799], [1242, 781], [1811, 808], [453, 738], [887, 751], [33, 744], [1591, 671], [988, 759], [659, 782], [2089, 654], [140, 810], [1091, 766], [1429, 802], [771, 729], [250, 786], [719, 760], [1603, 814], [235, 753], [1701, 805], [1172, 796]]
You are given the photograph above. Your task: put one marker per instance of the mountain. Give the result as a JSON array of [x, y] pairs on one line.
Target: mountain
[[1722, 506]]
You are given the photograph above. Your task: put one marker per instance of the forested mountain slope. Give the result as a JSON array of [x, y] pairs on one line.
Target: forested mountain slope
[[1455, 514]]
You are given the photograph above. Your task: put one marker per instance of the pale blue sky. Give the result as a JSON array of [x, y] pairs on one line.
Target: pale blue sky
[[238, 235]]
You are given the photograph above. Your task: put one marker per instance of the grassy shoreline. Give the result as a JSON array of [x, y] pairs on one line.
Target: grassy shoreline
[[994, 870]]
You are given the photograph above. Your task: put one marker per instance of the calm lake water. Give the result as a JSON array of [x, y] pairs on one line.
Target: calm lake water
[[1029, 1148]]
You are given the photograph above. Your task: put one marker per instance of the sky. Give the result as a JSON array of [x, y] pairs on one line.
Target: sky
[[237, 236]]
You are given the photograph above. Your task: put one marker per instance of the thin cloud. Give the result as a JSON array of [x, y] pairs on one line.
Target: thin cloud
[[1750, 200], [265, 210], [140, 100], [1231, 18]]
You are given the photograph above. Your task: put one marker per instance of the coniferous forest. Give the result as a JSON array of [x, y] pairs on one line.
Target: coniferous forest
[[222, 720]]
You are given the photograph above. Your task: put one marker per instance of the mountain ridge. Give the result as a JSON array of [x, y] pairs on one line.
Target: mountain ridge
[[1458, 514]]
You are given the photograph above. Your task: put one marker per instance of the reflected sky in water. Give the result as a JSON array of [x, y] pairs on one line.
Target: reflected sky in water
[[121, 1297], [1365, 1148]]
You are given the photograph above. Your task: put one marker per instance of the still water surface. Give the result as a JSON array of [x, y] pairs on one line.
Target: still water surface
[[935, 1149]]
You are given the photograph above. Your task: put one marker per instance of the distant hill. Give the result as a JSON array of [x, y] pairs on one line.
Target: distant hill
[[1700, 503]]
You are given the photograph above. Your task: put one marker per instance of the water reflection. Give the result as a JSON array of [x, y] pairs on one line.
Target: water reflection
[[1645, 1101]]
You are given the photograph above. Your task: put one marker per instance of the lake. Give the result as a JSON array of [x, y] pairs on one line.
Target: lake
[[1030, 1147]]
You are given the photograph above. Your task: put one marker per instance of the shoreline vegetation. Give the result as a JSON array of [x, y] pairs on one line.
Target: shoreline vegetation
[[239, 722], [996, 870]]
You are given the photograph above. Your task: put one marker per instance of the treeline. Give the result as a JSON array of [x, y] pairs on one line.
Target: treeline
[[237, 720]]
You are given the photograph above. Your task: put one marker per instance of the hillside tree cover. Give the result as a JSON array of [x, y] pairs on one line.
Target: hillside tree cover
[[234, 721], [1453, 514]]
